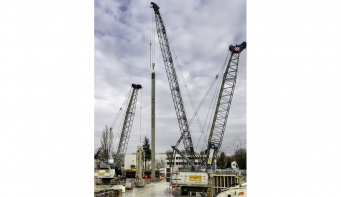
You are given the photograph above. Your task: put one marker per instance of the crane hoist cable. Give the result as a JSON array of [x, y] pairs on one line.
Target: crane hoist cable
[[213, 103], [185, 83], [150, 44], [183, 80], [217, 77], [214, 100], [208, 113], [208, 91], [140, 116], [119, 112]]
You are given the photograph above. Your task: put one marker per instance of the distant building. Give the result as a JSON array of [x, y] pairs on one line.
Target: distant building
[[130, 159]]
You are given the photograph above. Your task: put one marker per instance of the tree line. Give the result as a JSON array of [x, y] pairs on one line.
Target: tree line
[[239, 156], [107, 139], [223, 161]]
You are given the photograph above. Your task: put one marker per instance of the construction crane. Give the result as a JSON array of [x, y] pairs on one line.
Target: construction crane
[[222, 110], [118, 165], [127, 125], [220, 116], [173, 84], [223, 104]]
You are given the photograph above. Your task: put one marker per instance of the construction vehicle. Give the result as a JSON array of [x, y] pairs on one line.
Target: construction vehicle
[[114, 172], [106, 173], [197, 178]]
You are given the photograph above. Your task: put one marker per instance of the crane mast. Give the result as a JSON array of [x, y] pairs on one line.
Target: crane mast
[[224, 103], [173, 82]]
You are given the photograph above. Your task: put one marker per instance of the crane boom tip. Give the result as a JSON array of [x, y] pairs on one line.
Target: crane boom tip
[[153, 5]]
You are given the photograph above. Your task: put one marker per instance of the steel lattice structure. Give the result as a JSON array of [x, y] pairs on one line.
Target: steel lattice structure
[[127, 125], [173, 82], [224, 100]]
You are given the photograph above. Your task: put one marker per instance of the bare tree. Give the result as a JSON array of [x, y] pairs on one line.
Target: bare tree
[[163, 163], [107, 140], [148, 166], [157, 164], [160, 163]]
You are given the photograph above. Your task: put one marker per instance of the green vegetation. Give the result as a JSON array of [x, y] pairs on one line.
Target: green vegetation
[[147, 150], [240, 157]]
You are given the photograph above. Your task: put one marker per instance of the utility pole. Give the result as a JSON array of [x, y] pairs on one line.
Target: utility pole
[[153, 126]]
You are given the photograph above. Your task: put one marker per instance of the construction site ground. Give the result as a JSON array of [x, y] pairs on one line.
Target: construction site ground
[[156, 189]]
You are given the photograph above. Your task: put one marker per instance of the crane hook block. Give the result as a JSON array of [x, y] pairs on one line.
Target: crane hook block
[[136, 86], [238, 48]]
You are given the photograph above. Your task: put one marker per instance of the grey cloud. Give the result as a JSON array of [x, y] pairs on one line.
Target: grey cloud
[[200, 32]]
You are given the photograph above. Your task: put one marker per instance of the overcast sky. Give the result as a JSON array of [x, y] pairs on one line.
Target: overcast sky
[[201, 32]]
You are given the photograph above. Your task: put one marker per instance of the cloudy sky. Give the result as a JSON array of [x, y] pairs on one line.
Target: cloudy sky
[[201, 32]]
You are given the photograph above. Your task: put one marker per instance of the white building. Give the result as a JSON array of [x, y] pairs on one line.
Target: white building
[[130, 159]]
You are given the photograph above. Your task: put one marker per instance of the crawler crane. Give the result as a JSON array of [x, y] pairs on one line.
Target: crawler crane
[[197, 179], [116, 170]]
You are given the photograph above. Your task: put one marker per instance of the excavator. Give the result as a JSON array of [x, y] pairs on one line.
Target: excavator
[[197, 179]]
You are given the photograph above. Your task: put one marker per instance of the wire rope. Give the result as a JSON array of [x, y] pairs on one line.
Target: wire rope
[[140, 116], [215, 79], [213, 99], [184, 81], [119, 112]]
